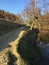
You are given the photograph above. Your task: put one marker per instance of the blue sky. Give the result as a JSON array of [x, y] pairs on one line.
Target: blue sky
[[13, 6]]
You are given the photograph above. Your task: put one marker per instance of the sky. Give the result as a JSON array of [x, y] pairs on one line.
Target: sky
[[13, 6]]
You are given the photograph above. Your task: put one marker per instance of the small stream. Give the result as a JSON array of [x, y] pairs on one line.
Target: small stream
[[45, 51]]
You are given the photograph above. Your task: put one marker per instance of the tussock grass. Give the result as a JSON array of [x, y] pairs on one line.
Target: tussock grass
[[25, 48], [13, 49], [28, 49]]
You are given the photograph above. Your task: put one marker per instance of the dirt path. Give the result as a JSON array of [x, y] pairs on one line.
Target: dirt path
[[9, 37], [4, 41]]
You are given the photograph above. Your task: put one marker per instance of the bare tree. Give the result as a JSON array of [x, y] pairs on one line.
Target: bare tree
[[33, 12]]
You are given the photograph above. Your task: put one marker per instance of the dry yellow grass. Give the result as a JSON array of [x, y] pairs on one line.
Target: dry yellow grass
[[4, 56], [13, 49]]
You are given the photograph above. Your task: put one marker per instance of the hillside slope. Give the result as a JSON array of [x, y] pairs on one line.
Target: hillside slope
[[4, 41], [7, 26]]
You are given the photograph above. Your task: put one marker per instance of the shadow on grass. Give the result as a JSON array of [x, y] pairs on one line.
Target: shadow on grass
[[28, 49], [11, 58]]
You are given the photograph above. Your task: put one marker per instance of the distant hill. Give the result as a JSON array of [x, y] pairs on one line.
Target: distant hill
[[9, 22], [7, 26], [9, 16]]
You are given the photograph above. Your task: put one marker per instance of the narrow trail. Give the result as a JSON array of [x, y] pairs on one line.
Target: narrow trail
[[5, 40], [9, 37]]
